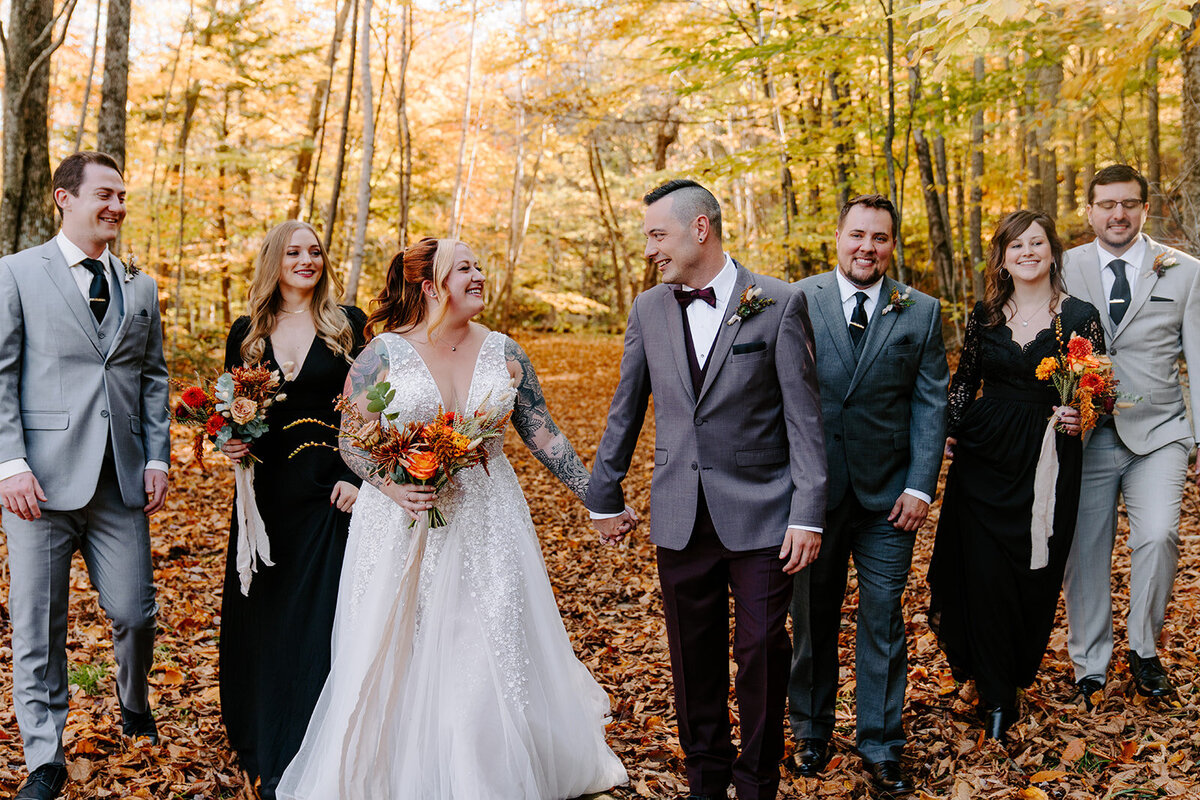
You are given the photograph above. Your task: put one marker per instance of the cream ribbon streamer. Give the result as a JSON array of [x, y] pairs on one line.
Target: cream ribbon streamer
[[252, 543], [1045, 479]]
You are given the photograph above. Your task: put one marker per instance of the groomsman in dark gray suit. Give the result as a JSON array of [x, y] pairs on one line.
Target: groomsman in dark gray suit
[[84, 447], [738, 494], [881, 366]]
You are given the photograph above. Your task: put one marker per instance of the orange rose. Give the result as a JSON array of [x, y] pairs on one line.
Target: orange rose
[[422, 465], [242, 410]]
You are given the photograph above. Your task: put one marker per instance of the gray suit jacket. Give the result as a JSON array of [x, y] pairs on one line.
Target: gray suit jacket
[[1163, 322], [65, 392], [752, 435], [885, 414]]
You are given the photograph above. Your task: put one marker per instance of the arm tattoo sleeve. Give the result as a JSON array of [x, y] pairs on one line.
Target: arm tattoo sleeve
[[533, 423], [369, 368]]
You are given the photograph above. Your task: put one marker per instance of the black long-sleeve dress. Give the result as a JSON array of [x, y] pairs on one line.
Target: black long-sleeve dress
[[275, 643], [992, 613]]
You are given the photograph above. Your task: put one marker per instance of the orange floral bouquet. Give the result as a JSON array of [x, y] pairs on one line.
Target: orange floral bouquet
[[1084, 379], [424, 453], [234, 405]]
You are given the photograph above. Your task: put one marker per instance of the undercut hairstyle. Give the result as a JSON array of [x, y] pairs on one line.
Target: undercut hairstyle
[[691, 200], [69, 173], [1118, 173], [998, 282], [871, 201]]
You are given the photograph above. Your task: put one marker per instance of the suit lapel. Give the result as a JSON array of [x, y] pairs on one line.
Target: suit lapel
[[59, 274], [828, 299], [726, 333], [675, 334], [1146, 279], [117, 274], [877, 331]]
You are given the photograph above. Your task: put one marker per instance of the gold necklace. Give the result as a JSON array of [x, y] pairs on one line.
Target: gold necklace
[[289, 311]]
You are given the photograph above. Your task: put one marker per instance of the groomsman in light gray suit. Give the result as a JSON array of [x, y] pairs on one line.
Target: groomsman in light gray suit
[[881, 365], [1149, 301], [84, 448], [737, 500]]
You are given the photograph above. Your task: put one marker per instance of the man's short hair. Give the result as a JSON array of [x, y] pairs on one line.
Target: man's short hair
[[1118, 173], [691, 200], [69, 174], [871, 201]]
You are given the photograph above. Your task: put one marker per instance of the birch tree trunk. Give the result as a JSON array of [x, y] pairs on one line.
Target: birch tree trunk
[[367, 104], [456, 207], [87, 87], [976, 235], [404, 134], [340, 168]]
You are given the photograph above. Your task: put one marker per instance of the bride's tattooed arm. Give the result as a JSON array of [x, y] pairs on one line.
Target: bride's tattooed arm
[[368, 369], [533, 422]]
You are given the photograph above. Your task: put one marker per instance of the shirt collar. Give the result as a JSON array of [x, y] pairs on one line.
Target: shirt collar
[[1134, 255], [847, 289], [73, 254], [722, 284]]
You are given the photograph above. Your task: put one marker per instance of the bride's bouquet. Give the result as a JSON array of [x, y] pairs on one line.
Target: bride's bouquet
[[235, 406], [1084, 380], [425, 453]]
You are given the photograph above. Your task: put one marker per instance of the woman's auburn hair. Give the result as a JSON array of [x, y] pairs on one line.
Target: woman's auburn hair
[[265, 301], [400, 305], [998, 284]]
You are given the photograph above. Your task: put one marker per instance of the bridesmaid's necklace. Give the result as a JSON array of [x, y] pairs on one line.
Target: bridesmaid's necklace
[[1025, 320]]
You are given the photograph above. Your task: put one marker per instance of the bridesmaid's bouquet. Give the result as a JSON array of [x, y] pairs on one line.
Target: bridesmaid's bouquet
[[411, 451], [1084, 380]]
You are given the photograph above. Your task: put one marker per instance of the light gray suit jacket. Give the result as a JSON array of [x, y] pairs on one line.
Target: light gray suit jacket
[[65, 391], [752, 434], [1163, 322], [885, 413]]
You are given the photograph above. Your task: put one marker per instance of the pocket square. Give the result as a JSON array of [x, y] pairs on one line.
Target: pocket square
[[1156, 299], [143, 313], [748, 347]]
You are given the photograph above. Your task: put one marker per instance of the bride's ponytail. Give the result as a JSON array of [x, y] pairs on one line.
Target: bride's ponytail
[[400, 305]]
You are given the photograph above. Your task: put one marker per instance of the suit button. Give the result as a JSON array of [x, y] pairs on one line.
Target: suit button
[[104, 413], [695, 466], [699, 421], [1112, 352], [101, 334], [837, 437], [108, 366]]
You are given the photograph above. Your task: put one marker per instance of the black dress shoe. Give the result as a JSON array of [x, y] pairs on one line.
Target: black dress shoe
[[1149, 676], [888, 777], [44, 783], [1085, 688], [997, 720], [138, 724], [811, 757]]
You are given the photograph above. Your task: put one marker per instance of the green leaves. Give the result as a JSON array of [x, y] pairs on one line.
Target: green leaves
[[379, 397]]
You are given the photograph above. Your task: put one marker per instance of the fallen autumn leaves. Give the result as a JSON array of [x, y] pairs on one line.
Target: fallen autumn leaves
[[610, 604]]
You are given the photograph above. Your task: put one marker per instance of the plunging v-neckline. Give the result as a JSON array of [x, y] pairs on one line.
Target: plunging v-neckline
[[429, 373], [298, 367]]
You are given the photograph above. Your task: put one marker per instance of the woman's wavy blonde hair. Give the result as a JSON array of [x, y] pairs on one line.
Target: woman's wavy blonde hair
[[265, 300], [400, 305]]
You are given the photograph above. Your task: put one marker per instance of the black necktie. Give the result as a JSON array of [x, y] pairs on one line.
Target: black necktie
[[858, 319], [686, 296], [98, 295], [1118, 301]]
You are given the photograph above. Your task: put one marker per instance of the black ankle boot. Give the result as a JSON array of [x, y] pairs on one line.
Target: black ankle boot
[[997, 720]]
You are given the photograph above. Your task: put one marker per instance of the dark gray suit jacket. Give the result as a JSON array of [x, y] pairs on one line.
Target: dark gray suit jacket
[[885, 414], [752, 435]]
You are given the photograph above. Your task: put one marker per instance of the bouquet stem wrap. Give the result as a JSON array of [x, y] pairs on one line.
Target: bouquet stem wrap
[[1045, 480], [252, 543]]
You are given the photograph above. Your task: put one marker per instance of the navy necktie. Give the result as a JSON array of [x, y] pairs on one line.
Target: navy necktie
[[858, 318], [98, 295], [1118, 301]]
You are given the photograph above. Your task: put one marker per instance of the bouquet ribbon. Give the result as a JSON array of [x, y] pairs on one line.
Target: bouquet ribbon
[[1045, 479], [252, 543]]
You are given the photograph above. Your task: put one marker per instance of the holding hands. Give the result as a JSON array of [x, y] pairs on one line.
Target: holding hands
[[613, 530]]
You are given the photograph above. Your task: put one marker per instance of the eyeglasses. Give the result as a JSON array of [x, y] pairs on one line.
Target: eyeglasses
[[1109, 205]]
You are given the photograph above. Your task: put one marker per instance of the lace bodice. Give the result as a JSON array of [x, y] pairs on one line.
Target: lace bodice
[[990, 358]]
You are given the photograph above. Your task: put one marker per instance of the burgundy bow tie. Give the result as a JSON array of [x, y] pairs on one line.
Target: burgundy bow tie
[[686, 296]]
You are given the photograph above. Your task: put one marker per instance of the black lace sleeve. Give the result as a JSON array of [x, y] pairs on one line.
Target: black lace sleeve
[[233, 345], [965, 383], [1091, 329]]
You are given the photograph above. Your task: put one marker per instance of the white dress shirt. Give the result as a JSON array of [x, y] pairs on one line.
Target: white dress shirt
[[849, 301], [1133, 264], [83, 279]]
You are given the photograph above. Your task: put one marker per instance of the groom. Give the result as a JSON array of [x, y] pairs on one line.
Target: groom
[[737, 499], [84, 446]]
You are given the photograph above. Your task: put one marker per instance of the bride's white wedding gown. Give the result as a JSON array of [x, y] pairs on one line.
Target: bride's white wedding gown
[[492, 703]]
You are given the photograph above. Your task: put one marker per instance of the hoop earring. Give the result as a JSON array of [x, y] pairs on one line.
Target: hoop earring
[[1053, 267], [1004, 274]]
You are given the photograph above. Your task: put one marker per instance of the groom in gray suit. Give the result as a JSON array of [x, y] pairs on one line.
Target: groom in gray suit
[[737, 500], [84, 448], [882, 370], [1149, 301]]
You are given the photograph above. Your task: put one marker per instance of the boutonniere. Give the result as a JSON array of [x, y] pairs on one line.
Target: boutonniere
[[131, 267], [1163, 263], [898, 302], [750, 304]]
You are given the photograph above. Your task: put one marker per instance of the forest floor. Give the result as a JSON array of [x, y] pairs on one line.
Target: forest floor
[[610, 603]]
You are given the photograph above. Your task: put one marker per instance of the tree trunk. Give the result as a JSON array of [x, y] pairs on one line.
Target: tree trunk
[[1153, 147], [87, 88], [976, 237], [1185, 212], [666, 135], [340, 168], [939, 239], [110, 137], [1088, 132], [26, 210], [192, 96], [615, 245], [222, 230], [316, 114], [456, 207], [841, 168], [367, 104], [1050, 80], [889, 140], [404, 134]]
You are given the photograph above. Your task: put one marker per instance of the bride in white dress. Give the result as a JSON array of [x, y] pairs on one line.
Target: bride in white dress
[[463, 684]]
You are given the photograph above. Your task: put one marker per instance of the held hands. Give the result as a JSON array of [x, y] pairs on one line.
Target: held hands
[[909, 512], [235, 449], [1068, 420], [800, 548], [614, 529], [950, 444], [413, 498], [156, 490], [20, 495], [343, 496]]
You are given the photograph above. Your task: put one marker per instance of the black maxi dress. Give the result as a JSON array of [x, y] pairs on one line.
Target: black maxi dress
[[275, 643], [992, 613]]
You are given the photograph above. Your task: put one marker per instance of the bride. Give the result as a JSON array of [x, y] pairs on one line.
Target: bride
[[454, 679]]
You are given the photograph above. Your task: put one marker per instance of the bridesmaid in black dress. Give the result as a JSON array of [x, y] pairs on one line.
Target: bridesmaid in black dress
[[992, 613], [275, 642]]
